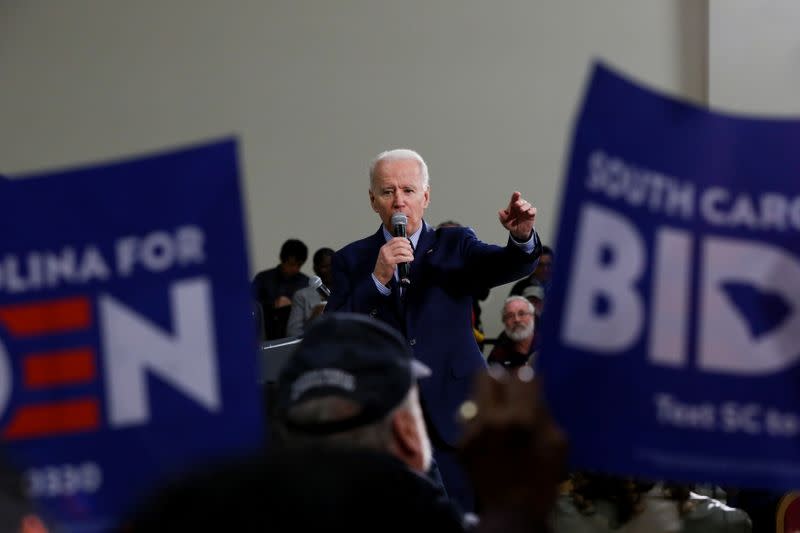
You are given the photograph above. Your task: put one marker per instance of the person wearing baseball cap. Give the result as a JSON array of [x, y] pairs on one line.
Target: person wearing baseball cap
[[352, 382], [355, 450]]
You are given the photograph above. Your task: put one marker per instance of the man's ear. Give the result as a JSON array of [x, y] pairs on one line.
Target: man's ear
[[372, 201], [407, 439], [427, 197]]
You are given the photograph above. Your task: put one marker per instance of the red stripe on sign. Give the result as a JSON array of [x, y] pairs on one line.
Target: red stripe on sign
[[64, 367], [53, 419], [53, 316]]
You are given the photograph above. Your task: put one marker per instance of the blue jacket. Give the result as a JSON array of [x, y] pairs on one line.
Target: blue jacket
[[450, 265]]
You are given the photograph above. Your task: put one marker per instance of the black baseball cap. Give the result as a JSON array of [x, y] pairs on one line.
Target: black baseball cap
[[354, 357]]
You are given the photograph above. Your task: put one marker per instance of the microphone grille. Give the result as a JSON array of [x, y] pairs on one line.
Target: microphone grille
[[315, 282], [399, 219]]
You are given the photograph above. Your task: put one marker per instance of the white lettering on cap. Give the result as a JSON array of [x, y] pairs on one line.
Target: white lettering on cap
[[325, 377]]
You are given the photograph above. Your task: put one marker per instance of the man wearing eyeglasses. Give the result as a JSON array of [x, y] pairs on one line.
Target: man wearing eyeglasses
[[515, 346]]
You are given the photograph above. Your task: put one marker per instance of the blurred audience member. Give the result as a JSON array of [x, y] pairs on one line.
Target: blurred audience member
[[512, 451], [540, 276], [763, 507], [308, 303], [535, 295], [604, 503], [449, 224], [352, 382], [273, 289], [700, 514], [515, 346], [300, 490]]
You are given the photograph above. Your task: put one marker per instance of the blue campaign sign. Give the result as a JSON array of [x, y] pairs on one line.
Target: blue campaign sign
[[672, 332], [127, 349]]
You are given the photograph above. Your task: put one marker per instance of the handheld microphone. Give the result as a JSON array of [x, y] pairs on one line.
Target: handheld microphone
[[399, 222], [316, 282]]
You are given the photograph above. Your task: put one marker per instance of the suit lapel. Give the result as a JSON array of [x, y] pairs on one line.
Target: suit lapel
[[376, 241], [424, 246]]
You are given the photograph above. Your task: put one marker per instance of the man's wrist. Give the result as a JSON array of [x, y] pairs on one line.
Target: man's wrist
[[380, 279], [528, 245], [381, 287], [522, 239]]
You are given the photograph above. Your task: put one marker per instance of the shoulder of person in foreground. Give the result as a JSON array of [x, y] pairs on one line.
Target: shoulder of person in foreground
[[309, 489]]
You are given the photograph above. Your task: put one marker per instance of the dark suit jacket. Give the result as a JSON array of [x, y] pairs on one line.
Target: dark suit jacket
[[435, 311]]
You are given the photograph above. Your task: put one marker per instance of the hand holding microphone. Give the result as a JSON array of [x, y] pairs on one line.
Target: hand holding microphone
[[399, 223], [395, 253]]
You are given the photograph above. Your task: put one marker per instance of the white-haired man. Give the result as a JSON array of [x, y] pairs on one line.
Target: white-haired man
[[515, 347], [446, 268]]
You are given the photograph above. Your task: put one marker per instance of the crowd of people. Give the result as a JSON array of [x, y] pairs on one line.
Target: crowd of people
[[433, 315], [396, 412], [287, 302]]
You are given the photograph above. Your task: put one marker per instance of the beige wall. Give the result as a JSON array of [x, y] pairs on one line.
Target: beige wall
[[753, 51], [486, 91]]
